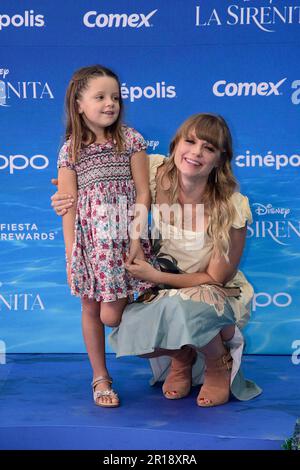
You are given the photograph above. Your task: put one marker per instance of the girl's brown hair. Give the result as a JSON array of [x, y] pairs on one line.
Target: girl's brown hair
[[221, 182], [76, 129]]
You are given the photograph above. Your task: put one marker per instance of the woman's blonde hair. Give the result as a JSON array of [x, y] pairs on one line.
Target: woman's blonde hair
[[76, 129], [221, 182]]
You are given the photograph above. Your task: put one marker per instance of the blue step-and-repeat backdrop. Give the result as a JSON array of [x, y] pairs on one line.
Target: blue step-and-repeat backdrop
[[238, 58]]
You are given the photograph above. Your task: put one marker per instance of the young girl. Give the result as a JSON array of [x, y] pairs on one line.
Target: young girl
[[104, 167]]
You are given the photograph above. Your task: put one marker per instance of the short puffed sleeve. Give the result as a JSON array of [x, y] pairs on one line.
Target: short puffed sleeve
[[155, 161], [63, 157], [134, 140], [242, 210]]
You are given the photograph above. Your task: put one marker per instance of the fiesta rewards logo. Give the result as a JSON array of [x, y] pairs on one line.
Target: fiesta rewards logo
[[28, 19], [24, 232], [93, 19]]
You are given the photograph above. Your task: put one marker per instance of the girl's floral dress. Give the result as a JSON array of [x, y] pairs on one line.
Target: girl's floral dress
[[105, 203]]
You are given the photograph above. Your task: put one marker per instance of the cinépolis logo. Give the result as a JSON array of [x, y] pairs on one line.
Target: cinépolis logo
[[272, 160], [155, 91], [26, 19], [13, 90], [245, 13]]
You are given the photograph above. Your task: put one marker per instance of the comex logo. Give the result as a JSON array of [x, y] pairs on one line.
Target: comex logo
[[222, 88], [94, 19], [27, 20], [21, 162]]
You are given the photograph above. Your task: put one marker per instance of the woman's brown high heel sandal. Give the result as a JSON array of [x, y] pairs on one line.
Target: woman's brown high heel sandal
[[216, 388], [98, 394], [179, 380]]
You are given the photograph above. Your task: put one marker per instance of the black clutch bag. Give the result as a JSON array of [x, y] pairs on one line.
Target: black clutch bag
[[168, 264]]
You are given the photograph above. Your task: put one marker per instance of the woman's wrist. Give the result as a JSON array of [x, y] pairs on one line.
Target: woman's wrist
[[156, 277]]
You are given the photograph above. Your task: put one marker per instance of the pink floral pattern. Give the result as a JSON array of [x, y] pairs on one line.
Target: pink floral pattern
[[106, 197]]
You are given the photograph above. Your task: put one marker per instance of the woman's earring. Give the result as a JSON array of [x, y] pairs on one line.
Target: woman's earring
[[216, 175]]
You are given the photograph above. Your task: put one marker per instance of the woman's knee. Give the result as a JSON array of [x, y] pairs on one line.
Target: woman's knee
[[227, 332]]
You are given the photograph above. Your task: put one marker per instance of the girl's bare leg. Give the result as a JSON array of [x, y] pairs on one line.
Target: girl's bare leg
[[94, 338]]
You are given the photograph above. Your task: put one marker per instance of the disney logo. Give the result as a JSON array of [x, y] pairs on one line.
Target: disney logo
[[269, 209], [4, 72]]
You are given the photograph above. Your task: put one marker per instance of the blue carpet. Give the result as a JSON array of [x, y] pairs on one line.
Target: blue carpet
[[46, 403]]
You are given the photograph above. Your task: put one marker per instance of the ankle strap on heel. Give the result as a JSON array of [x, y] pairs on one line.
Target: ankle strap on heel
[[100, 379], [227, 361], [224, 362]]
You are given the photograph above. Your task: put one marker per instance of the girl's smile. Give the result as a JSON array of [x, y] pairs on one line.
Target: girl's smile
[[99, 104]]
